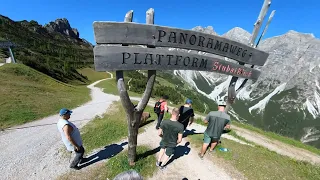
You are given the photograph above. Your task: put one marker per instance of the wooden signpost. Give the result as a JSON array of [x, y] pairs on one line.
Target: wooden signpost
[[121, 46]]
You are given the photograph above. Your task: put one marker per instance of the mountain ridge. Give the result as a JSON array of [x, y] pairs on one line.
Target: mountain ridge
[[54, 49], [290, 79]]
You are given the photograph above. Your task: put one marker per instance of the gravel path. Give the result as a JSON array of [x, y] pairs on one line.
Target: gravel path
[[31, 151]]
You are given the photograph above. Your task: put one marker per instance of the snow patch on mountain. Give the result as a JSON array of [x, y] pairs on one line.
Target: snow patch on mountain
[[188, 76], [312, 110], [311, 134], [262, 103]]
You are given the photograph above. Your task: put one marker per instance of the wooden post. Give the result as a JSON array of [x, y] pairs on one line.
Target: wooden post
[[232, 93], [134, 113]]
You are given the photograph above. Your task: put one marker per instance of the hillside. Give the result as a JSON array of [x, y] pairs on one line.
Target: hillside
[[27, 95], [54, 49], [285, 99]]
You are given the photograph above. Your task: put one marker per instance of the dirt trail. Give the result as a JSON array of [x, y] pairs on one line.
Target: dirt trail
[[186, 166], [31, 151]]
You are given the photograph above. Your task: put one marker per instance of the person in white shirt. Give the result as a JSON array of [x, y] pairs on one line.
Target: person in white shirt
[[71, 138]]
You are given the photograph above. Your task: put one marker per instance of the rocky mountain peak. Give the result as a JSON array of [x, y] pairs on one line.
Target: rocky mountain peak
[[238, 34], [62, 26], [208, 29]]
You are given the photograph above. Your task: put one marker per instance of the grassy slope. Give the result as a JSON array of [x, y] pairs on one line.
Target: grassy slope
[[27, 95], [97, 134], [93, 75], [258, 162]]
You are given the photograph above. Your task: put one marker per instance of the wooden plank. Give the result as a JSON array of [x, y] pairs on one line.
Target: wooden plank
[[111, 58], [160, 36]]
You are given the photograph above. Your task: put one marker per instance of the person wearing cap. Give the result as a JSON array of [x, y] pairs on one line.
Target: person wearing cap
[[217, 122], [186, 114], [70, 136]]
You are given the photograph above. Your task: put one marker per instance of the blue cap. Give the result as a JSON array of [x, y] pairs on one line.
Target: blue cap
[[65, 111], [188, 101]]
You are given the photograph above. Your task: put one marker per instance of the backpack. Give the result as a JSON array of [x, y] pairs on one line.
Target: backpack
[[157, 107]]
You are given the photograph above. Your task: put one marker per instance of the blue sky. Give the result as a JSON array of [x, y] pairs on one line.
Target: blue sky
[[298, 15]]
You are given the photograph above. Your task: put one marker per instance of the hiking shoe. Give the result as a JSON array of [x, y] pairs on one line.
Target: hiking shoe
[[201, 157], [158, 163]]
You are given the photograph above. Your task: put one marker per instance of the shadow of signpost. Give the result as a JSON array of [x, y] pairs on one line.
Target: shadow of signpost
[[148, 153], [188, 132], [179, 152], [108, 152]]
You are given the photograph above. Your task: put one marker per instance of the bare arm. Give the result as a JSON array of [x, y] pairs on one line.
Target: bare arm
[[166, 108], [205, 121], [179, 138], [67, 131]]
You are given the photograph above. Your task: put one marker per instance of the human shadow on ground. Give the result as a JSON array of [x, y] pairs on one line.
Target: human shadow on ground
[[188, 132], [108, 152], [179, 152]]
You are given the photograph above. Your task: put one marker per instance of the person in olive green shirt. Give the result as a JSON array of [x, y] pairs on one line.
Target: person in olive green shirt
[[217, 122], [171, 132]]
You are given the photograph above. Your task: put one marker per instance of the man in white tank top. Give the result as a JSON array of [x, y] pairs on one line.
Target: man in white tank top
[[70, 136]]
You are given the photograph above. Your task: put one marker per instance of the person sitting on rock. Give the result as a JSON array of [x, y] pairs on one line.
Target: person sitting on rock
[[171, 132]]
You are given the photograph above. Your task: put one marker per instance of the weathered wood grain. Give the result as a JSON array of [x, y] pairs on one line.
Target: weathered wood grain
[[161, 36], [138, 58]]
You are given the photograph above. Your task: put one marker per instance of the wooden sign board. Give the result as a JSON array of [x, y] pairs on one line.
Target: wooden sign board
[[114, 58], [160, 36]]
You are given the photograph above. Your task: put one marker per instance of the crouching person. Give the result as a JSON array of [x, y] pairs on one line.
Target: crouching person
[[171, 132], [71, 138]]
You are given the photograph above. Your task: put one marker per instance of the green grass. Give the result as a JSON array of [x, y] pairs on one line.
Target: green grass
[[270, 135], [259, 163], [145, 166], [28, 95], [110, 87], [112, 127], [93, 75], [280, 138]]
